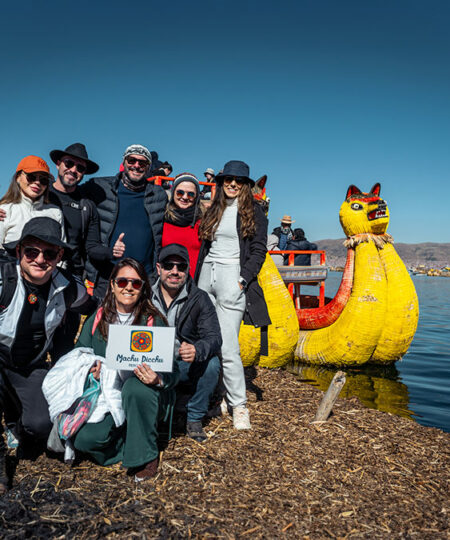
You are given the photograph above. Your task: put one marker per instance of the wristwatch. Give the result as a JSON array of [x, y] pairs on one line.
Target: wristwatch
[[243, 282]]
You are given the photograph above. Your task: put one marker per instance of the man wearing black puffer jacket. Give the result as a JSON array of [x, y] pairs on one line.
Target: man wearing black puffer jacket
[[300, 243], [198, 337], [131, 212]]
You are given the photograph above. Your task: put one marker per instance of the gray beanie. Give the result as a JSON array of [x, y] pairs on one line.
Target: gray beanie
[[138, 150], [186, 177]]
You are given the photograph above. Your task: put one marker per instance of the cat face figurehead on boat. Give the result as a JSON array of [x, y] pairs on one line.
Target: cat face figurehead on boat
[[364, 213]]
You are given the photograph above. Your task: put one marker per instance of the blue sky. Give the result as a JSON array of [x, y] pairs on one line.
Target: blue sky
[[315, 94]]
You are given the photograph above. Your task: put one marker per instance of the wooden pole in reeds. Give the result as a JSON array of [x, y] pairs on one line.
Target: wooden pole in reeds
[[330, 397]]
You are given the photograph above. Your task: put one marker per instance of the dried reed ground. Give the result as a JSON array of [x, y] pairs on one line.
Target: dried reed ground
[[362, 474]]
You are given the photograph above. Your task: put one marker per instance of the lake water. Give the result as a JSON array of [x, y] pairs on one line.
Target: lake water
[[418, 386]]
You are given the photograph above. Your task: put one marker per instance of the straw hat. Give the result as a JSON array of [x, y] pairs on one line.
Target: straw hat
[[287, 219]]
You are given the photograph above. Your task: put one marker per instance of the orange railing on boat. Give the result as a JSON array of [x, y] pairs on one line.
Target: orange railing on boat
[[303, 275]]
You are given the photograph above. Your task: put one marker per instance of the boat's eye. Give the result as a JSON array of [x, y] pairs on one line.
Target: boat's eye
[[357, 206]]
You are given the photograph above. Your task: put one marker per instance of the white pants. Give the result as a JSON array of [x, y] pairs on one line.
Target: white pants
[[221, 282]]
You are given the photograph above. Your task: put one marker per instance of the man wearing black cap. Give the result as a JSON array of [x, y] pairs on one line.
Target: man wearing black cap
[[34, 297], [198, 337]]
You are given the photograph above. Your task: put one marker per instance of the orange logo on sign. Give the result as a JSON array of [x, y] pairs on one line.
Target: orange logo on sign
[[141, 341]]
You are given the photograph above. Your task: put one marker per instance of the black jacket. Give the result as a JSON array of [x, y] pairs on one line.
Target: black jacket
[[103, 192], [301, 245], [197, 322], [252, 256], [90, 229]]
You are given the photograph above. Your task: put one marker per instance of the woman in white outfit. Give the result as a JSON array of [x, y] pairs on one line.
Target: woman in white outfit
[[26, 198], [234, 237]]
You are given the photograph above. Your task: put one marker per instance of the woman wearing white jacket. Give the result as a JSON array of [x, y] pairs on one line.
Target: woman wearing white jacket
[[26, 198]]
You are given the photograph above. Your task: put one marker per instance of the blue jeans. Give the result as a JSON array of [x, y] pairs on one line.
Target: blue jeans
[[203, 377]]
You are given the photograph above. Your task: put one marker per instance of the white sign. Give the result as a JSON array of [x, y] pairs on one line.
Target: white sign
[[129, 346]]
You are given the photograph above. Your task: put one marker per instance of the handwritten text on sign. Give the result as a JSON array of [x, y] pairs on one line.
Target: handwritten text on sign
[[129, 346]]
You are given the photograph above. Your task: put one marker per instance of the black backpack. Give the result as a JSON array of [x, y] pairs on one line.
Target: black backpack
[[8, 283]]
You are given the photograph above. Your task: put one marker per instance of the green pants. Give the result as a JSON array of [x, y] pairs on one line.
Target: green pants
[[136, 443]]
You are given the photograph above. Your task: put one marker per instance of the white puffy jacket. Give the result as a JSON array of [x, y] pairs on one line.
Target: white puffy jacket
[[20, 213]]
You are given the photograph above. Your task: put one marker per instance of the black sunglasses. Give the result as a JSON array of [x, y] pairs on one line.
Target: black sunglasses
[[69, 163], [32, 253], [168, 265], [142, 163], [182, 193], [238, 179], [37, 177], [122, 282]]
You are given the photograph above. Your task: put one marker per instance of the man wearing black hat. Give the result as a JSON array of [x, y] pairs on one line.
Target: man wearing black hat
[[34, 297], [80, 214], [81, 222], [198, 337]]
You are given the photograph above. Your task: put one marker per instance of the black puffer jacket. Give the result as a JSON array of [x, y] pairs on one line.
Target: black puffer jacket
[[252, 257], [196, 321], [103, 192], [303, 259]]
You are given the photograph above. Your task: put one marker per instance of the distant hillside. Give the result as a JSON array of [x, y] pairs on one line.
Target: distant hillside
[[431, 254]]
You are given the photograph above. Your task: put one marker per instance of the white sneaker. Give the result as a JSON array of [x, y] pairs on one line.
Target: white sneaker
[[241, 418]]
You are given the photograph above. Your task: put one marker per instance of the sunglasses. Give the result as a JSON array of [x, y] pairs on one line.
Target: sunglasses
[[237, 179], [142, 163], [32, 253], [37, 177], [189, 194], [122, 282], [168, 265], [69, 163]]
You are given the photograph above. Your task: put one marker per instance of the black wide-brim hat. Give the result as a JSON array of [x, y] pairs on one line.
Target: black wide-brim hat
[[77, 150], [236, 168], [43, 228]]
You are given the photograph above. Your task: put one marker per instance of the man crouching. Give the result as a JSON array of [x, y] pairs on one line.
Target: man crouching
[[34, 297], [198, 337]]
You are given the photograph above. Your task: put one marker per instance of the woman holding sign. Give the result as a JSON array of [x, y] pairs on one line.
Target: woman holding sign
[[147, 396]]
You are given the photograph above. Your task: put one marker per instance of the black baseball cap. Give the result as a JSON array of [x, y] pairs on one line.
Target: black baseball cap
[[174, 250]]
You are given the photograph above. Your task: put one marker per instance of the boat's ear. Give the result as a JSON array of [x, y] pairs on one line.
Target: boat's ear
[[352, 190], [376, 189], [262, 181]]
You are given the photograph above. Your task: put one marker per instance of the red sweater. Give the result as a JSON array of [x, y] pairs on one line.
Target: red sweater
[[187, 237]]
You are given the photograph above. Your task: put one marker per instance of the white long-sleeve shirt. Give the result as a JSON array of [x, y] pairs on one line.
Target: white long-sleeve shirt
[[225, 247], [20, 213]]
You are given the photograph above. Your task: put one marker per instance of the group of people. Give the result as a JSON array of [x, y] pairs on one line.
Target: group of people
[[122, 250], [284, 238]]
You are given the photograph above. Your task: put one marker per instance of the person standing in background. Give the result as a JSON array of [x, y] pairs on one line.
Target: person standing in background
[[209, 177], [284, 233], [300, 243]]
